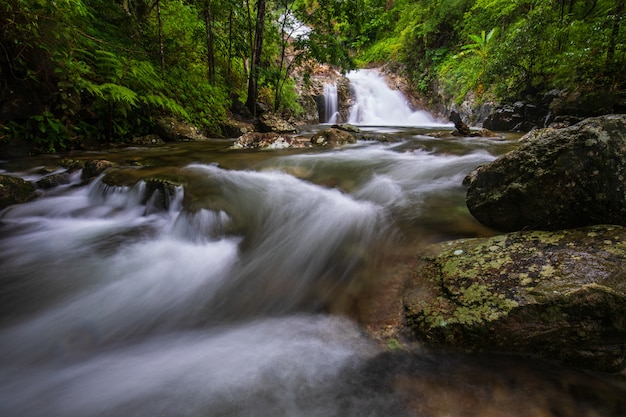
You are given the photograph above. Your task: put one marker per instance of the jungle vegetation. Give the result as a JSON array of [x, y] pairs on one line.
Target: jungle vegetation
[[101, 70]]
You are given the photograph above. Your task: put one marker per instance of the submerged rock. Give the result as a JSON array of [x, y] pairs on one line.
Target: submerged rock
[[14, 190], [559, 295], [556, 179]]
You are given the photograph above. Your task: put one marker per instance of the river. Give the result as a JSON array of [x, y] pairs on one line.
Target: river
[[244, 292]]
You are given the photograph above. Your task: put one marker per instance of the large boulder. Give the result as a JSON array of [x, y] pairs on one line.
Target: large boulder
[[556, 179], [332, 137], [559, 295], [14, 190]]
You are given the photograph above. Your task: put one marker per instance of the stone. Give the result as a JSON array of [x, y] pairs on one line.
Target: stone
[[54, 180], [174, 130], [270, 140], [269, 122], [332, 137], [15, 190], [93, 168], [558, 295], [461, 128], [150, 139], [556, 179]]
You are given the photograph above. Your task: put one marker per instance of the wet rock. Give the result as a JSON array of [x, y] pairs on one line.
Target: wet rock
[[157, 190], [54, 180], [556, 179], [257, 140], [93, 168], [461, 128], [558, 295], [346, 128], [151, 139], [14, 190], [332, 137], [269, 122]]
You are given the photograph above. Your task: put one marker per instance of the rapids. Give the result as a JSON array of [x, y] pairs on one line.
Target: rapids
[[239, 292]]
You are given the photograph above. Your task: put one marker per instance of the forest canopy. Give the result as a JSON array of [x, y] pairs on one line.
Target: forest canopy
[[101, 70]]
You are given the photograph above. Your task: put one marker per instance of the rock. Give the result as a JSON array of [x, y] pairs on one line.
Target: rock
[[461, 128], [558, 295], [269, 122], [332, 137], [519, 117], [233, 128], [151, 139], [15, 190], [346, 128], [556, 179], [94, 168], [257, 140], [54, 180], [172, 129]]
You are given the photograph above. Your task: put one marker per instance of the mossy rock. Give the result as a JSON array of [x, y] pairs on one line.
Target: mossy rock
[[559, 295], [556, 179], [14, 190]]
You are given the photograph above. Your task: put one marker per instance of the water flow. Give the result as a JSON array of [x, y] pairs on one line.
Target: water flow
[[376, 104], [214, 299], [331, 106]]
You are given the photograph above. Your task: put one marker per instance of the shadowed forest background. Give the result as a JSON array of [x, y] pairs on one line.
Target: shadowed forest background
[[98, 71]]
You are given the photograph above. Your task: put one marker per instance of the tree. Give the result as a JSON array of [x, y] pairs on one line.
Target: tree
[[255, 61]]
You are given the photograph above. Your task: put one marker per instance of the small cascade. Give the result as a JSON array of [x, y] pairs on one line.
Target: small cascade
[[376, 104], [331, 106]]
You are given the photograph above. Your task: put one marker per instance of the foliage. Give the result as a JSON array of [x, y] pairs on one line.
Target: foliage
[[101, 71], [516, 48]]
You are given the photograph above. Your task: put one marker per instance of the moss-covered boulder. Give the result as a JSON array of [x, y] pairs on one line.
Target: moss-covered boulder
[[559, 295], [556, 179], [14, 190]]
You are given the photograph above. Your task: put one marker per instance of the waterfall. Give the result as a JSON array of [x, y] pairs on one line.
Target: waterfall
[[376, 104], [331, 106]]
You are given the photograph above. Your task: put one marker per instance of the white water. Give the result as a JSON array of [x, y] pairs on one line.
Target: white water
[[376, 104], [331, 106], [218, 304], [113, 305]]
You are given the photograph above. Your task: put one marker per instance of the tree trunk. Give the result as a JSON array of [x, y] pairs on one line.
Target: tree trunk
[[210, 50], [610, 64], [255, 65], [161, 49]]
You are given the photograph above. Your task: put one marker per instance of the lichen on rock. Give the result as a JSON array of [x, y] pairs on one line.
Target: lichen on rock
[[556, 179], [554, 294]]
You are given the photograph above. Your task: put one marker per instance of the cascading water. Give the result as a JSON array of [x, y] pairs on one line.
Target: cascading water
[[376, 104], [331, 103], [237, 293]]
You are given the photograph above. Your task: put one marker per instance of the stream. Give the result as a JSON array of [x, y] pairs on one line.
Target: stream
[[243, 292]]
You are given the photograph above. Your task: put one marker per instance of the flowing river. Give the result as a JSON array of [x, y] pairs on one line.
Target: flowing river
[[245, 292]]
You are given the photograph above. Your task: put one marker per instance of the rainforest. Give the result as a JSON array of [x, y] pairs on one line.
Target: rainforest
[[77, 73]]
